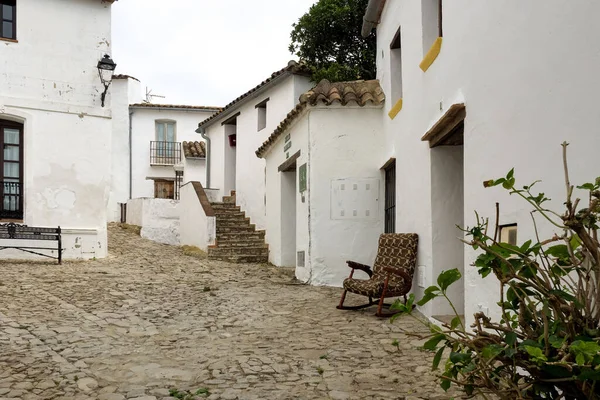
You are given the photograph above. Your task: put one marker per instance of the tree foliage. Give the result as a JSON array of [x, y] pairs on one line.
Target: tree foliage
[[546, 344], [328, 39]]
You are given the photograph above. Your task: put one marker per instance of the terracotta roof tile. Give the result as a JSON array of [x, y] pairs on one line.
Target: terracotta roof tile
[[151, 105], [293, 68], [123, 76], [326, 93], [194, 149]]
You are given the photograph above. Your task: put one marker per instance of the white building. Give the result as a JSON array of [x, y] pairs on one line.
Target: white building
[[55, 132], [164, 136], [324, 183], [151, 142], [505, 86], [234, 134]]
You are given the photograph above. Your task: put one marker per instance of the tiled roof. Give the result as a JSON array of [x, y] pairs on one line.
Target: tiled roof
[[151, 105], [194, 149], [123, 76], [326, 93], [292, 68]]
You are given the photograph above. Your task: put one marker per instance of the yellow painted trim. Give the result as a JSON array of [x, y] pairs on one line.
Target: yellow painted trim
[[395, 110], [431, 55]]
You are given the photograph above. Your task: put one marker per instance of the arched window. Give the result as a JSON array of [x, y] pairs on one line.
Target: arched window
[[11, 167]]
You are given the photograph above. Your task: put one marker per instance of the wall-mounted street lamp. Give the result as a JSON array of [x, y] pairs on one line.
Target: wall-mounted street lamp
[[106, 69]]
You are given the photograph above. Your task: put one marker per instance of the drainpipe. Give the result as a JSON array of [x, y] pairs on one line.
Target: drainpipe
[[130, 155], [371, 18], [203, 134]]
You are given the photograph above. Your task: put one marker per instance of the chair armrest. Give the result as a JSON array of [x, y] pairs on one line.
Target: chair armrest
[[398, 272], [359, 266]]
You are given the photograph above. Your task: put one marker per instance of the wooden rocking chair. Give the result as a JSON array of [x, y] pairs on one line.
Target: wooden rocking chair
[[391, 275]]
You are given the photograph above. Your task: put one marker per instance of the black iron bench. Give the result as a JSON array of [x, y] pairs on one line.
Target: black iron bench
[[12, 231]]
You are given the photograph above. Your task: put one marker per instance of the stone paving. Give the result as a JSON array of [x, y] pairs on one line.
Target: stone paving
[[150, 319]]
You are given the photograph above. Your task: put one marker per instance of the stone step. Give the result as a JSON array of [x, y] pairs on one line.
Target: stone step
[[240, 236], [233, 222], [242, 259], [236, 228], [224, 206], [240, 243], [236, 251], [232, 217]]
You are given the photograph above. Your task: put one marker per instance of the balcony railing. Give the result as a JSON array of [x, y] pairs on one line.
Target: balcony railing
[[165, 153], [12, 200]]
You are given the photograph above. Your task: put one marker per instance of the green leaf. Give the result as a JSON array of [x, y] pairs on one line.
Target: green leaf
[[560, 251], [398, 305], [484, 271], [447, 278], [575, 242], [588, 374], [510, 174], [491, 351], [535, 353], [455, 322], [510, 352], [445, 384], [584, 351], [509, 183], [433, 328], [437, 358], [556, 342], [510, 338], [432, 343], [563, 295], [426, 299], [462, 358], [587, 186]]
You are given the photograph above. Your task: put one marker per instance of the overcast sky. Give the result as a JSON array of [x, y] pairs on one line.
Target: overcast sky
[[201, 52]]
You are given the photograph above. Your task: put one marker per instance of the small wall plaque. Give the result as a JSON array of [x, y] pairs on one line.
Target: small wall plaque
[[302, 178]]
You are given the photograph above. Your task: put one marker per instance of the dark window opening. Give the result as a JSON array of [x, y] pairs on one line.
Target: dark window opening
[[11, 162], [432, 22], [8, 19], [390, 198], [508, 234], [261, 109], [396, 66]]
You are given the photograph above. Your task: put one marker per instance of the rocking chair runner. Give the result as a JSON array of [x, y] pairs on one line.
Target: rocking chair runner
[[391, 275]]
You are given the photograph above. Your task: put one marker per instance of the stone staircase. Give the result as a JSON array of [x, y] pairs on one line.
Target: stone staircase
[[238, 241]]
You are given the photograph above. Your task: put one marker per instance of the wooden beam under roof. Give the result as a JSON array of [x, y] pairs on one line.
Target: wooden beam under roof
[[444, 131]]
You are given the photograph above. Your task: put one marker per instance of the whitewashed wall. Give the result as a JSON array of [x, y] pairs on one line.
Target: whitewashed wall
[[158, 218], [527, 73], [339, 144], [274, 158], [194, 170], [196, 228], [49, 82], [124, 92], [144, 131], [250, 170]]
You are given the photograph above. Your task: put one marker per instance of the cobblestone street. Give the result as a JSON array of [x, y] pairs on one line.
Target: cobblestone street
[[150, 318]]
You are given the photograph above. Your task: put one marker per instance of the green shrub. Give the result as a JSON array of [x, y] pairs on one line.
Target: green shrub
[[546, 344]]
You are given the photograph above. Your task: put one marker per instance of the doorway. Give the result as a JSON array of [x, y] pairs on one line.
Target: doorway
[[230, 144], [446, 140], [288, 215]]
